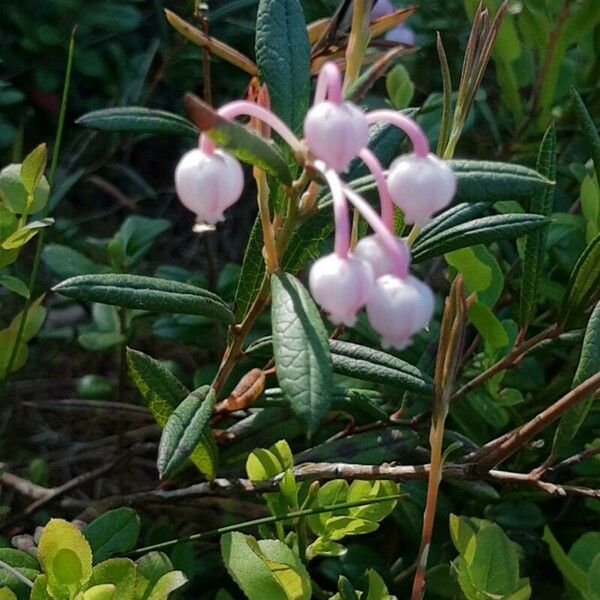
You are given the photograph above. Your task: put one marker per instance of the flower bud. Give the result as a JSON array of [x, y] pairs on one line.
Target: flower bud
[[336, 133], [341, 286], [208, 183], [399, 308], [372, 250], [420, 186]]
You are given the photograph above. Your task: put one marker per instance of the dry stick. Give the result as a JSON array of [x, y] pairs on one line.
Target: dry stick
[[21, 485], [486, 458], [575, 459]]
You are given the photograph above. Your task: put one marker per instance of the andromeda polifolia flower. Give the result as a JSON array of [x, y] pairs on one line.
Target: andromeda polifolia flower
[[373, 250]]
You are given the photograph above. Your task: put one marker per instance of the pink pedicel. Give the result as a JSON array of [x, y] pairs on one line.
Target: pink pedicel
[[208, 183], [341, 286], [373, 250], [420, 186], [399, 308], [336, 133]]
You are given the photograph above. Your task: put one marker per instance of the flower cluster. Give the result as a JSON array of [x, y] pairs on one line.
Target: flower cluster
[[375, 274]]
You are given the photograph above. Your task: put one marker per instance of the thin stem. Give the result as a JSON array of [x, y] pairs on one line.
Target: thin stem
[[15, 573], [262, 197], [243, 107], [206, 144], [267, 520], [387, 237], [329, 84], [387, 206], [340, 209], [406, 124], [42, 235]]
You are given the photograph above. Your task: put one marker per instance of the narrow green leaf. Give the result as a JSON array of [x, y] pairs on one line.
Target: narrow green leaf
[[535, 242], [589, 364], [479, 231], [283, 58], [242, 142], [455, 215], [146, 293], [376, 366], [479, 180], [14, 285], [137, 119], [114, 532], [162, 393], [589, 130], [583, 284], [301, 350], [186, 427], [33, 167]]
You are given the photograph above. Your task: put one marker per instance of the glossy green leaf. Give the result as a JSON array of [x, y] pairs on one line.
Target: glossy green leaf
[[114, 532], [376, 366], [455, 215], [138, 119], [301, 350], [479, 231], [283, 58], [535, 242], [583, 284], [265, 569], [570, 571], [188, 426], [66, 558], [589, 130], [589, 364], [146, 293], [120, 572], [15, 197]]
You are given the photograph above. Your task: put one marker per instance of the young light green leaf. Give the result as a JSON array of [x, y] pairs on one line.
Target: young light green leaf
[[168, 583], [583, 284], [187, 427], [22, 235], [488, 181], [377, 588], [14, 195], [301, 349], [283, 58], [138, 119], [589, 364], [399, 86], [376, 366], [105, 591], [7, 594], [589, 130], [114, 532], [535, 242], [146, 293], [242, 142], [118, 572], [33, 168], [479, 231]]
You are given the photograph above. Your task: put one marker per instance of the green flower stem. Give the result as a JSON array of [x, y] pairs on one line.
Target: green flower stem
[[267, 521], [41, 236]]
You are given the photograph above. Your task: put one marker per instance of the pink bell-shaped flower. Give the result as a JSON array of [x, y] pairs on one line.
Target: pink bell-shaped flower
[[208, 183], [399, 308], [373, 250], [336, 133], [341, 286], [420, 186]]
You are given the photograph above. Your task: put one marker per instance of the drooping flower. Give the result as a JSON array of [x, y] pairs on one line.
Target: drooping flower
[[399, 308], [373, 250], [208, 183]]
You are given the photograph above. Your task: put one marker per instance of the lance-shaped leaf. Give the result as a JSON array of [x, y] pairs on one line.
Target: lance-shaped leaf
[[138, 119], [588, 128], [214, 46], [584, 282], [301, 350], [146, 293], [373, 365], [535, 243], [162, 393], [589, 364], [479, 231], [242, 142], [22, 235], [187, 427], [490, 181], [283, 58], [32, 168]]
